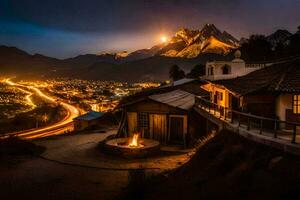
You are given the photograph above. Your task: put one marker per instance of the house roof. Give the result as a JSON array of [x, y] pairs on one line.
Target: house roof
[[190, 87], [89, 116], [177, 98], [283, 77], [183, 81]]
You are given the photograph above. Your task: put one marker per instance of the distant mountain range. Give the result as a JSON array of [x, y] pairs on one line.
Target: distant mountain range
[[186, 49], [192, 43], [184, 44], [280, 36], [14, 61]]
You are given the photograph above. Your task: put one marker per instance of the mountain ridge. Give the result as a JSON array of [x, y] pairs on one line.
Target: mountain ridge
[[192, 43], [186, 49]]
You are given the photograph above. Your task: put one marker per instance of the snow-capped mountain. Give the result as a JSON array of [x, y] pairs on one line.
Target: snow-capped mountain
[[192, 43], [185, 43], [280, 36]]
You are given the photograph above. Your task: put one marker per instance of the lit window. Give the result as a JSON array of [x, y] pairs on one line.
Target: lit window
[[296, 104], [219, 96]]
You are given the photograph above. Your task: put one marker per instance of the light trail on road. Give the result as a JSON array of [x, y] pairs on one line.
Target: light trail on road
[[27, 97], [58, 128]]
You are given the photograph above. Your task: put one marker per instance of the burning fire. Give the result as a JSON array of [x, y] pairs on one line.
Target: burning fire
[[134, 142]]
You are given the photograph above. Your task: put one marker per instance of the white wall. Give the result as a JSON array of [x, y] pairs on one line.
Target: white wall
[[238, 67], [283, 102]]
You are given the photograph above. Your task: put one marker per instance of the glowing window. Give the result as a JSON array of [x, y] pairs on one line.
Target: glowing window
[[296, 104], [219, 96]]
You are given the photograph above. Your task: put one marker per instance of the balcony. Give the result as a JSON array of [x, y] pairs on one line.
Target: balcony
[[267, 130]]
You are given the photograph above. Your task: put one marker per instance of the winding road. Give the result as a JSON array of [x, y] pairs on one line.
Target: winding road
[[58, 128]]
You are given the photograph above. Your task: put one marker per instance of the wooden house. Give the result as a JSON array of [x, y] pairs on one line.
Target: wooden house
[[88, 119], [163, 115]]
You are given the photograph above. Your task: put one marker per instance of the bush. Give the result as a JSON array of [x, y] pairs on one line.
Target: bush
[[17, 146]]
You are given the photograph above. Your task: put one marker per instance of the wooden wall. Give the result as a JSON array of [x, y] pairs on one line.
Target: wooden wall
[[132, 123], [159, 116], [154, 107], [260, 104], [158, 127]]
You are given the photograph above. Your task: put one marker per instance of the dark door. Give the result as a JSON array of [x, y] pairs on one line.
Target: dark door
[[291, 117], [176, 129], [215, 98], [233, 102]]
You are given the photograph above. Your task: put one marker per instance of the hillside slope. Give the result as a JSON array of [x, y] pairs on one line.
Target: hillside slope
[[155, 68], [231, 167], [14, 61]]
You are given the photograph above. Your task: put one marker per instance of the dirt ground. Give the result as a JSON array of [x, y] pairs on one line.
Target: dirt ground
[[71, 167]]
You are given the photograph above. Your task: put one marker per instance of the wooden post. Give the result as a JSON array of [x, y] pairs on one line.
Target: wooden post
[[275, 129], [214, 109], [294, 134], [239, 119], [248, 123], [184, 141], [225, 113], [261, 126], [231, 116]]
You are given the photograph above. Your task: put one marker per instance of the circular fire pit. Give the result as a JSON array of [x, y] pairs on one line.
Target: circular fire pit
[[140, 148]]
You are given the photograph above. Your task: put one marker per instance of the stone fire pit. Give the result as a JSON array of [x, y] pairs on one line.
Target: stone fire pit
[[126, 148]]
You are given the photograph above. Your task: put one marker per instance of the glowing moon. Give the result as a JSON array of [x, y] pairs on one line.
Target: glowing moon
[[163, 39]]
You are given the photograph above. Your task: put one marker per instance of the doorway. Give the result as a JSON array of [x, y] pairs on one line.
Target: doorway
[[233, 102], [176, 129]]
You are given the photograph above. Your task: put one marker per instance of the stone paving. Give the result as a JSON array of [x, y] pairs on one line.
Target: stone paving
[[73, 168], [81, 149]]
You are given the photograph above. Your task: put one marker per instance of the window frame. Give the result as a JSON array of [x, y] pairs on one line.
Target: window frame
[[142, 120], [211, 71], [296, 104], [226, 68], [219, 96]]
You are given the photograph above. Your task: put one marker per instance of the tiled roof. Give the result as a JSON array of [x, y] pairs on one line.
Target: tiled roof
[[176, 98], [183, 81], [283, 77]]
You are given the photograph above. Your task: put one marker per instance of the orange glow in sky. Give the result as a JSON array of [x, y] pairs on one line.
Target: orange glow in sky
[[163, 39]]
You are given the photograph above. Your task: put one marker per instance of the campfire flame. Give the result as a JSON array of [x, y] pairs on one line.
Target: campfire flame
[[134, 142]]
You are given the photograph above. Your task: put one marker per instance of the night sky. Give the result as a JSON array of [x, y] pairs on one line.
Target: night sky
[[64, 28]]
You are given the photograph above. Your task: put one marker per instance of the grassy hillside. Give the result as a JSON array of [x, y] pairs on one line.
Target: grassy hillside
[[230, 167]]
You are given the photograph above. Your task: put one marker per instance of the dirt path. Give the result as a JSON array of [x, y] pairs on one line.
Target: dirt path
[[75, 170]]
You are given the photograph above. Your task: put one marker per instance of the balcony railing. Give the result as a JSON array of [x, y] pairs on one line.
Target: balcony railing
[[262, 125]]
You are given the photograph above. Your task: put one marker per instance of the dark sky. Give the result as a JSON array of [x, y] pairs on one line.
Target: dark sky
[[64, 28]]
